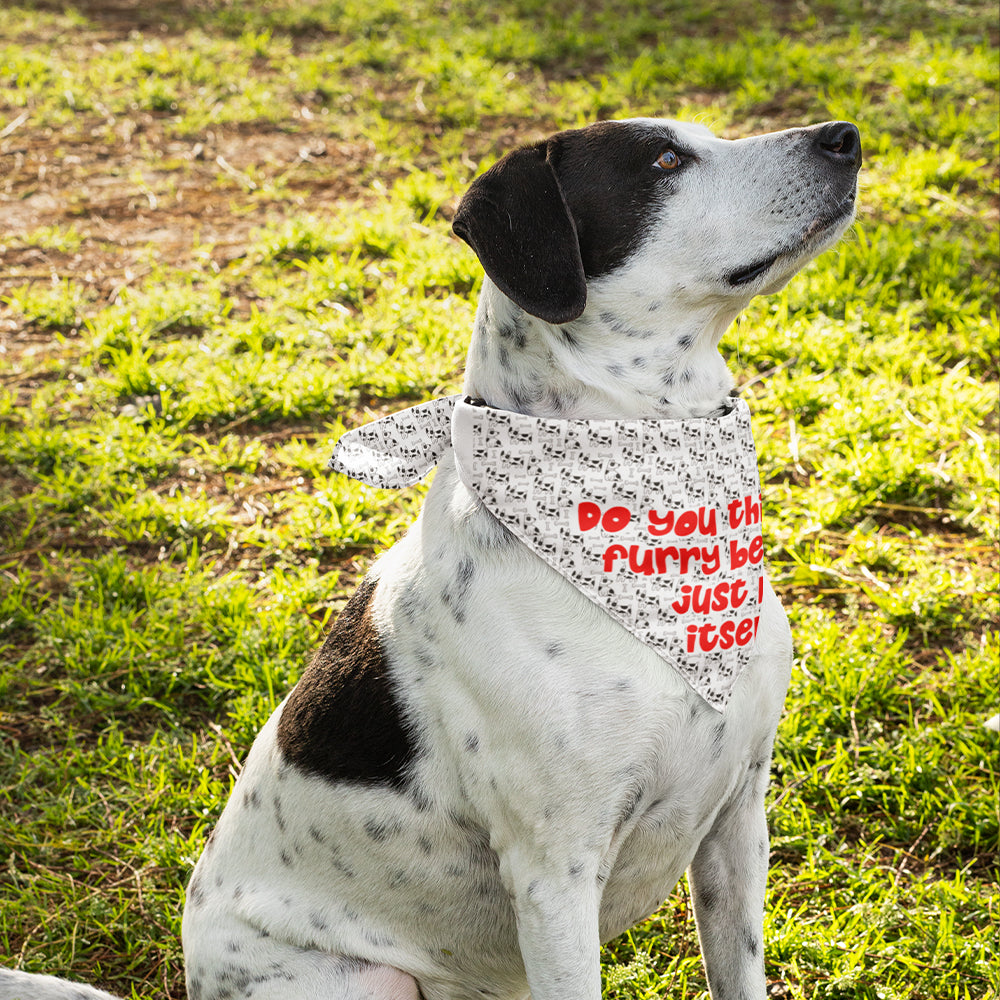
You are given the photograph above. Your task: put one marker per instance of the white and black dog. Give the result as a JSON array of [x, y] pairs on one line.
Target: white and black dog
[[482, 776]]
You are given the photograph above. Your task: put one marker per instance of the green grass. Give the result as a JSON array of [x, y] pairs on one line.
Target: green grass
[[226, 237]]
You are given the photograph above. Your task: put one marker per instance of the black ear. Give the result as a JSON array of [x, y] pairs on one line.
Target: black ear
[[516, 219]]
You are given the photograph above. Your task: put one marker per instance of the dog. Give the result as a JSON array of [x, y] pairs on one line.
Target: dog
[[482, 776]]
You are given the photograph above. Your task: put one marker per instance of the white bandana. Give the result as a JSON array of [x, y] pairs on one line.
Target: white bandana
[[656, 521]]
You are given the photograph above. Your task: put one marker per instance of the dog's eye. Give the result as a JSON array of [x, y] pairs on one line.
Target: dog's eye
[[668, 160]]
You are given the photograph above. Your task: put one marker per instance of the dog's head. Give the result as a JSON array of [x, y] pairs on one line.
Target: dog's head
[[663, 207]]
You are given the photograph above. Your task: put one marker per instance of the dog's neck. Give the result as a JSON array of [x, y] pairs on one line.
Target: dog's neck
[[615, 361]]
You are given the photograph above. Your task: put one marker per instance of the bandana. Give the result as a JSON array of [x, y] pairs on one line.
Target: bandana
[[656, 521]]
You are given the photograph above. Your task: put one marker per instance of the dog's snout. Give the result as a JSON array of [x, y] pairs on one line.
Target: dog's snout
[[840, 142]]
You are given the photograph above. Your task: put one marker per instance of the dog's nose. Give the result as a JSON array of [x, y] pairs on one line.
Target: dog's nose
[[841, 142]]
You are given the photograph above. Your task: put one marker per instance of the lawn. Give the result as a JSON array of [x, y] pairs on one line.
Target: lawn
[[224, 236]]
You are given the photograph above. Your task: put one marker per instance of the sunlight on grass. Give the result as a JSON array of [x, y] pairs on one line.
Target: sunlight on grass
[[229, 240]]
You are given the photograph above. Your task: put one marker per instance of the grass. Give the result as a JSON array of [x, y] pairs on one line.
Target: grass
[[226, 237]]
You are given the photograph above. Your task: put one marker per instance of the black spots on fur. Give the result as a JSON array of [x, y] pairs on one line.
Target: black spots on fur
[[514, 334], [279, 817], [456, 592], [316, 921], [340, 866], [481, 856], [488, 531], [397, 878], [751, 941], [472, 743], [617, 325], [251, 798], [708, 898], [575, 869], [466, 570], [554, 650], [316, 834], [426, 847], [519, 396], [234, 981], [196, 898], [411, 605], [453, 606], [699, 707], [561, 400], [424, 655], [286, 859], [380, 940], [419, 799], [382, 830], [344, 720], [718, 740], [568, 337]]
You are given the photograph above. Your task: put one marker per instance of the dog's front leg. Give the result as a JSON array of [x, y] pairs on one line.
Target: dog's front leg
[[557, 907], [727, 878]]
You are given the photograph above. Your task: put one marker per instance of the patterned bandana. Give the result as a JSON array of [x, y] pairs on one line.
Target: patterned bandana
[[656, 521]]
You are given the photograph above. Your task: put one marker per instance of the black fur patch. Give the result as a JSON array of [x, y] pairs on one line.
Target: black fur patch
[[343, 721], [607, 175]]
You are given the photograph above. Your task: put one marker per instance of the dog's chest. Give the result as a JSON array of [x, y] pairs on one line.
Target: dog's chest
[[526, 724], [539, 716]]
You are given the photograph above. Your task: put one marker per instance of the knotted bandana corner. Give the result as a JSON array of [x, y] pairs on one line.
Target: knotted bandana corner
[[656, 521]]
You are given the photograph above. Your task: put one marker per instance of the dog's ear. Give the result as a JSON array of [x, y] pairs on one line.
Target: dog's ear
[[516, 219]]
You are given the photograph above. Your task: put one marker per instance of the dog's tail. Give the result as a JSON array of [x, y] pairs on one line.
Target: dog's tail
[[26, 986]]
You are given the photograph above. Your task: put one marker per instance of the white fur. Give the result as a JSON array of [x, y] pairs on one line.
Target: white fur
[[24, 986]]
